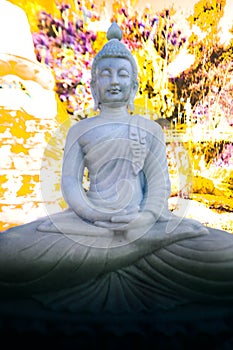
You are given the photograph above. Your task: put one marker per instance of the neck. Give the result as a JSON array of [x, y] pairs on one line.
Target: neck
[[110, 112]]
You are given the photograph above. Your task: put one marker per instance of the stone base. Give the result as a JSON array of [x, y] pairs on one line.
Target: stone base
[[30, 325]]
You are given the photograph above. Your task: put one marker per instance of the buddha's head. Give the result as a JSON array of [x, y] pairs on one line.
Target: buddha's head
[[114, 73]]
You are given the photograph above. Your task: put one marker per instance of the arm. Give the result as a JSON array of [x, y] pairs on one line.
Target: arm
[[72, 177]]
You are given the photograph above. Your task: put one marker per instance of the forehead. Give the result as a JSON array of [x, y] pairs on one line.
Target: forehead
[[114, 63]]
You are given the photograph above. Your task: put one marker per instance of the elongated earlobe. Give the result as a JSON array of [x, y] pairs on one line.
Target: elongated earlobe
[[131, 105], [95, 96], [132, 97]]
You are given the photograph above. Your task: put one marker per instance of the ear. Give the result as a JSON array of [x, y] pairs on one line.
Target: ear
[[95, 95], [132, 96]]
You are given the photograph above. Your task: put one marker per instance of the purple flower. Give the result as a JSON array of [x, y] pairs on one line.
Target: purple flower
[[154, 21], [63, 7]]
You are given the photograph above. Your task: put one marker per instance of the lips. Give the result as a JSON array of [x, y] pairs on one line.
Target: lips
[[114, 91]]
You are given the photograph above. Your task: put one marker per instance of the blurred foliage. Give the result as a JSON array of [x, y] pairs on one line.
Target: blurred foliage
[[208, 83], [33, 7]]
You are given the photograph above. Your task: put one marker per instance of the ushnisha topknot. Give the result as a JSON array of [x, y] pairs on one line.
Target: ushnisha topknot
[[114, 48], [114, 32]]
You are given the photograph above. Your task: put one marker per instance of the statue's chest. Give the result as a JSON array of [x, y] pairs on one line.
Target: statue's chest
[[108, 145], [104, 135]]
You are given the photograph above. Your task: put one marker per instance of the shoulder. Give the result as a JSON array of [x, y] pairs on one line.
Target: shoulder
[[79, 128], [150, 126]]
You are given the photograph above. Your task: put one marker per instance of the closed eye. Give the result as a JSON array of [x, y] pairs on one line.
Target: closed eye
[[123, 73], [105, 73]]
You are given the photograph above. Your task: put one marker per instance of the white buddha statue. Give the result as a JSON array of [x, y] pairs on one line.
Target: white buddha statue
[[120, 234]]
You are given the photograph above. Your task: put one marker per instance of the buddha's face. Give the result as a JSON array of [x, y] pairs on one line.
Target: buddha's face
[[114, 81]]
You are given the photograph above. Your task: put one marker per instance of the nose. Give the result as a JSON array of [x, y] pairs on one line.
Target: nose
[[114, 80]]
